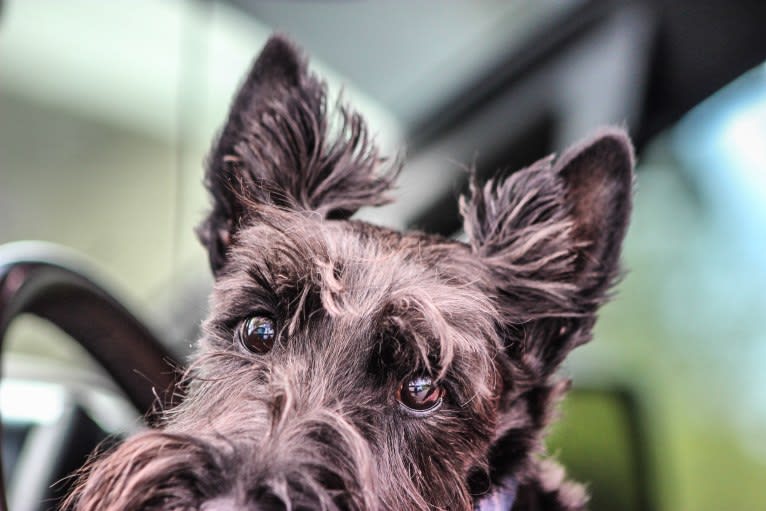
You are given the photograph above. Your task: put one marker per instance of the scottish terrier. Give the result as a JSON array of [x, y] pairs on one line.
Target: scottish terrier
[[347, 366]]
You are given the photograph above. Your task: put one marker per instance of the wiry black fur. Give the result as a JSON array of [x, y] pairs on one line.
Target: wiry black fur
[[315, 422]]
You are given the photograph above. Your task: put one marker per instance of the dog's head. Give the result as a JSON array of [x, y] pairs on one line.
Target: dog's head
[[350, 366]]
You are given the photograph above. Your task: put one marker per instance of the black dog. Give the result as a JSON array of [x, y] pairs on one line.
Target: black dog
[[352, 367]]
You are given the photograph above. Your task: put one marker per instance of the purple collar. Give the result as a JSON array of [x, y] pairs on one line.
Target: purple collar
[[501, 499]]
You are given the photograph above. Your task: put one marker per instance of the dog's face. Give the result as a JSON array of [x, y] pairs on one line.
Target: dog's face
[[349, 366], [363, 362]]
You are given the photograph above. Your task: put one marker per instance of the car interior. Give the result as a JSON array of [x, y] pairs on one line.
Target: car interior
[[106, 113]]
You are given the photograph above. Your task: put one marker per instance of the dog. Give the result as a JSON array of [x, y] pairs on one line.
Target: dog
[[347, 366]]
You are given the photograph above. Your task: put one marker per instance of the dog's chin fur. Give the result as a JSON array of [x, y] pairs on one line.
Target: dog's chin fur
[[316, 421]]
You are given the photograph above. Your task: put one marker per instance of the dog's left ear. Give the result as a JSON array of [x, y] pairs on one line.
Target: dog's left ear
[[279, 148], [551, 236]]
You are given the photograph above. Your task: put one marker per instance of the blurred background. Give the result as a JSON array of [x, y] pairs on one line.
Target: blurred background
[[108, 108]]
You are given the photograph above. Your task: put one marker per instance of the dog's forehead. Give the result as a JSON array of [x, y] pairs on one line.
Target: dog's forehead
[[354, 251], [356, 267]]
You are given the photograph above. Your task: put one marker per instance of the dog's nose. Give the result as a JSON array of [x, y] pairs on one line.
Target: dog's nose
[[230, 504], [221, 504]]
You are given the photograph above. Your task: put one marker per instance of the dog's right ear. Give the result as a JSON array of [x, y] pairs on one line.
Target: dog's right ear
[[279, 149], [551, 236]]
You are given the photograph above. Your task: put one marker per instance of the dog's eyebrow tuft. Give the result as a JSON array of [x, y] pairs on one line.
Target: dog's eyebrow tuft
[[430, 328]]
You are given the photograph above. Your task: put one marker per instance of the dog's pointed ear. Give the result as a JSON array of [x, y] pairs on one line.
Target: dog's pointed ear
[[279, 148], [551, 236], [598, 182]]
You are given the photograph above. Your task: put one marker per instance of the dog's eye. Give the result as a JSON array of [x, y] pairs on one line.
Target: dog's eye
[[257, 334], [420, 394]]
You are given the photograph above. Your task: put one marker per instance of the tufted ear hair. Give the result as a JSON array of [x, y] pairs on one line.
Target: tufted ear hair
[[279, 147], [551, 236]]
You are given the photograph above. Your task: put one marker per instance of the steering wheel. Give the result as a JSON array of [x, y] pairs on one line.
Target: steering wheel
[[59, 286]]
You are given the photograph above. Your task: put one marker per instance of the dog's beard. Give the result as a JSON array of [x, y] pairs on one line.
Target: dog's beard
[[269, 454], [170, 471]]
